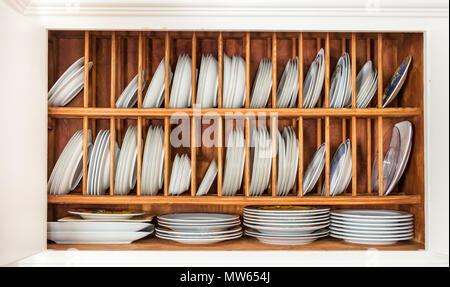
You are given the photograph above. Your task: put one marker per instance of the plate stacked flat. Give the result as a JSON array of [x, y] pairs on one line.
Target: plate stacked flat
[[286, 225], [99, 164], [180, 95], [261, 161], [98, 228], [373, 227], [313, 83], [396, 158], [128, 98], [155, 92], [233, 82], [208, 83], [287, 160], [198, 228], [68, 85], [366, 85], [262, 85], [180, 177], [340, 170], [341, 84], [68, 170], [125, 176], [396, 82], [287, 91], [234, 162], [153, 162]]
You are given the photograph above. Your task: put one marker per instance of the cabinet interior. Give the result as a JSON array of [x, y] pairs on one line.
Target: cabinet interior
[[118, 56]]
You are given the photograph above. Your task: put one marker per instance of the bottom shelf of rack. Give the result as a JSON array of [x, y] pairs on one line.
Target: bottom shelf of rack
[[242, 244]]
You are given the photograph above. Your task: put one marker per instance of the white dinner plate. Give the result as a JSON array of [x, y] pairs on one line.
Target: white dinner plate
[[196, 217], [105, 216], [90, 226], [198, 240], [96, 237], [371, 213]]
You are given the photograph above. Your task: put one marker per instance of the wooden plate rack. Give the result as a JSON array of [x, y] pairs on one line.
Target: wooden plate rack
[[119, 55]]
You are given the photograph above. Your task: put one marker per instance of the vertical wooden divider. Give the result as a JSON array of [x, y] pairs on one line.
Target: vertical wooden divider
[[319, 124], [194, 117], [327, 119], [300, 120], [139, 119], [85, 104], [380, 118], [119, 86], [112, 119], [344, 121], [247, 119], [369, 133], [294, 120], [93, 101], [354, 141], [220, 127], [167, 118], [273, 120]]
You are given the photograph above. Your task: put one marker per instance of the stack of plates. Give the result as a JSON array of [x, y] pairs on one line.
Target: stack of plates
[[99, 228], [208, 83], [396, 82], [262, 85], [286, 225], [153, 162], [313, 83], [341, 170], [260, 161], [180, 95], [341, 84], [128, 98], [366, 85], [155, 93], [288, 87], [181, 175], [396, 158], [68, 85], [198, 228], [234, 163], [68, 170], [125, 176], [287, 160], [98, 171], [374, 227], [208, 179], [233, 82], [314, 170]]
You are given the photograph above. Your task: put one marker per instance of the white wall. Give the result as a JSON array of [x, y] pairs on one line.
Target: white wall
[[23, 142]]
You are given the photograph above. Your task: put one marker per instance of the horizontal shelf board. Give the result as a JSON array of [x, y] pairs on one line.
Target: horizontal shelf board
[[245, 112], [235, 200], [244, 243]]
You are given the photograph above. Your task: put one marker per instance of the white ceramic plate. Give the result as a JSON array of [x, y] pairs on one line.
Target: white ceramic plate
[[104, 216], [369, 222], [371, 213], [370, 241], [168, 232], [356, 232], [186, 217], [96, 226], [285, 230], [285, 210], [371, 227], [208, 179], [95, 237], [198, 241]]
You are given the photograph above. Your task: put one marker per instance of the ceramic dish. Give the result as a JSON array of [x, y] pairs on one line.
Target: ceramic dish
[[105, 214], [396, 82], [198, 217], [83, 226], [96, 237]]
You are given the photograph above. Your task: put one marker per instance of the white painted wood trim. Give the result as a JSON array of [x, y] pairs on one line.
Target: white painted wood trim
[[235, 8]]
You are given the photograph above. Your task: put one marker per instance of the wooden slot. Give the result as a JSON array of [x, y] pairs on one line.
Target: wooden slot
[[319, 124], [327, 119], [166, 155], [194, 119], [167, 69], [85, 154], [273, 133], [220, 145], [274, 70]]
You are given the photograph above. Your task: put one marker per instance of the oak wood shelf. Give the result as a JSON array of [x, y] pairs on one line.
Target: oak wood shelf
[[244, 243], [236, 200], [74, 112]]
